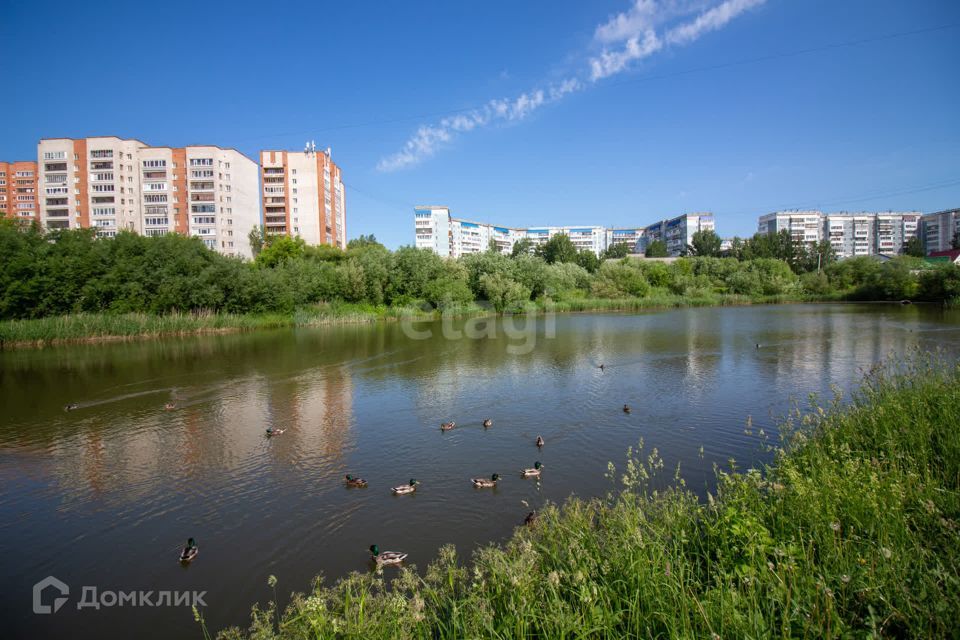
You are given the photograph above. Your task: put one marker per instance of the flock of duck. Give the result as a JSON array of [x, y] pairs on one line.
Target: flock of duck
[[191, 549]]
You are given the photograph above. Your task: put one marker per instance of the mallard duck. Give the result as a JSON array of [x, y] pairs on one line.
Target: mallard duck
[[481, 483], [626, 408], [386, 557], [354, 482], [531, 519], [274, 432], [169, 406], [71, 406], [190, 551], [540, 441], [534, 472], [406, 488], [446, 426], [488, 423]]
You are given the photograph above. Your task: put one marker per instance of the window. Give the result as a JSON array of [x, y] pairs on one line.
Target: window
[[154, 164], [54, 155], [103, 187], [57, 178], [147, 197], [103, 211], [102, 177], [155, 186], [101, 153], [204, 220], [157, 222], [201, 162]]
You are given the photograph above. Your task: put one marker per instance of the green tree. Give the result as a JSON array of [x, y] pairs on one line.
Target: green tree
[[363, 241], [914, 247], [522, 247], [559, 248], [705, 243], [616, 251], [256, 237], [656, 249], [280, 249], [503, 292]]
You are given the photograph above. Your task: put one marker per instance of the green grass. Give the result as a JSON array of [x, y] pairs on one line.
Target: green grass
[[852, 532]]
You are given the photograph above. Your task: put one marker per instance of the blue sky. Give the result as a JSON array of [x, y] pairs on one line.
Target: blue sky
[[647, 108]]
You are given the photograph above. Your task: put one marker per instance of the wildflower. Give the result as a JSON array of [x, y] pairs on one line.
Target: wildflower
[[862, 561], [553, 578], [714, 636], [272, 581], [886, 553], [844, 578], [829, 592], [770, 566], [835, 525]]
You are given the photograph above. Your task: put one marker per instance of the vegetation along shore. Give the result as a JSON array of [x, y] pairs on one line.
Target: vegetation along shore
[[850, 532], [65, 286]]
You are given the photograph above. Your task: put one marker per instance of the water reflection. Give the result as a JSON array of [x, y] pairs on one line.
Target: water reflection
[[123, 473]]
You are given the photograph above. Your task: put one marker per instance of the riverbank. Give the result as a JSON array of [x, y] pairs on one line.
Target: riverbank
[[852, 531], [101, 327]]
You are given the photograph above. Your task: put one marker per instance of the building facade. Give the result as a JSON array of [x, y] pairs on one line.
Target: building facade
[[939, 229], [676, 233], [851, 234], [436, 229], [18, 191], [303, 195], [112, 184]]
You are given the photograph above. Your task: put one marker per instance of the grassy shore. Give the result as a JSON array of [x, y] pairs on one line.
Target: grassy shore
[[852, 532], [103, 327]]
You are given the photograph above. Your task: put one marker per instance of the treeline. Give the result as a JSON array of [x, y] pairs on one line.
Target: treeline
[[72, 271]]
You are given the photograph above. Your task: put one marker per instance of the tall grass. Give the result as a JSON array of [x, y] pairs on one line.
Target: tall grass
[[852, 532]]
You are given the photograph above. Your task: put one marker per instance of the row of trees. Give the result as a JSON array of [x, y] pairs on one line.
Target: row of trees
[[62, 272]]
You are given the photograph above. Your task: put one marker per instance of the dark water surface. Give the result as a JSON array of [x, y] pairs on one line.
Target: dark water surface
[[104, 495]]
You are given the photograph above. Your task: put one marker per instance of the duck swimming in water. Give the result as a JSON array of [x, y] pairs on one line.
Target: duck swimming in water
[[354, 482], [481, 483], [540, 441], [386, 557], [71, 406], [169, 406], [446, 426], [274, 432], [190, 551], [534, 472], [626, 408], [488, 423], [405, 488]]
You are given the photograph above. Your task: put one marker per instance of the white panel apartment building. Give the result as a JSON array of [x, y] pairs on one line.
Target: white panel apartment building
[[850, 234], [939, 229], [436, 229], [113, 184]]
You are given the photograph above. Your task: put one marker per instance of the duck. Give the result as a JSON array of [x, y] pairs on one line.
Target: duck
[[406, 488], [758, 345], [534, 472], [446, 426], [540, 441], [488, 423], [190, 551], [601, 367], [354, 482], [274, 432], [169, 406], [626, 408], [71, 406], [481, 483], [531, 519], [386, 557]]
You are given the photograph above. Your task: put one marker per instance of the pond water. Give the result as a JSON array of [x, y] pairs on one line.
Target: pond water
[[105, 494]]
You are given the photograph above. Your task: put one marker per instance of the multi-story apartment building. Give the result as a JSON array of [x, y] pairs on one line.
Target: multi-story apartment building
[[18, 191], [113, 184], [436, 229], [303, 196], [939, 230], [676, 233], [850, 234]]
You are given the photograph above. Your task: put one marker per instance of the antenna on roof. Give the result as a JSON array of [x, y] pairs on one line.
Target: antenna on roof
[[310, 148]]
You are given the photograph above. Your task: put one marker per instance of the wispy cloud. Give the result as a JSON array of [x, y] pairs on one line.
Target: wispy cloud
[[641, 31]]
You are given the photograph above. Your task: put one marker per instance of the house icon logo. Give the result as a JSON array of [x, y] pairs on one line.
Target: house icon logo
[[40, 587]]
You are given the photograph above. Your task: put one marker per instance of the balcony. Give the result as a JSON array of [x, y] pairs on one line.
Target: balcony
[[202, 197]]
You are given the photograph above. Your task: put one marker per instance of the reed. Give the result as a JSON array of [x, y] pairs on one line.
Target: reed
[[851, 532]]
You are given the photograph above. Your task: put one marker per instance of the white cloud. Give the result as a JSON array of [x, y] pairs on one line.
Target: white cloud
[[710, 20], [625, 38]]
